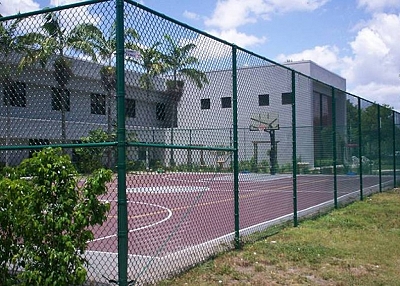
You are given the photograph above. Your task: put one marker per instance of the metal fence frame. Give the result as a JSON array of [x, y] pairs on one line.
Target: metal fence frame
[[122, 142]]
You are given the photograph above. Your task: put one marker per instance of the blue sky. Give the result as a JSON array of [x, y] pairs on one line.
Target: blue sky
[[357, 39]]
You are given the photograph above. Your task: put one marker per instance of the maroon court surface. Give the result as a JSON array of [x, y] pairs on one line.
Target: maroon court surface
[[171, 212]]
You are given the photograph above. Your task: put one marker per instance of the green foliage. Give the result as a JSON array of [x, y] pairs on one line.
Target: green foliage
[[150, 59], [179, 60], [44, 220], [136, 165], [91, 158], [254, 167]]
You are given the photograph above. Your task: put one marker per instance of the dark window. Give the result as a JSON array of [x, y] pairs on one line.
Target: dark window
[[14, 94], [98, 104], [130, 107], [317, 106], [263, 99], [160, 111], [142, 154], [60, 99], [226, 102], [287, 98], [205, 103]]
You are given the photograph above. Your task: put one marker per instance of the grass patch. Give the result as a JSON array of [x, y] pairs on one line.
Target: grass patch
[[355, 245]]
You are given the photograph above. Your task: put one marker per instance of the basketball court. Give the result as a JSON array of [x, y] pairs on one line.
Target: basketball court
[[175, 219]]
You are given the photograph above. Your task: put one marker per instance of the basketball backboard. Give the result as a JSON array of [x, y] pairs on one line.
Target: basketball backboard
[[264, 121]]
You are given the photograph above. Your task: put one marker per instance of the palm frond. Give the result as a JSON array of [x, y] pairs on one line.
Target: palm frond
[[198, 77]]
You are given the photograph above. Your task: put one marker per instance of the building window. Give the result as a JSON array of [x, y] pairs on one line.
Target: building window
[[98, 104], [226, 102], [287, 98], [142, 154], [205, 103], [14, 94], [263, 99], [130, 107], [160, 111], [60, 99]]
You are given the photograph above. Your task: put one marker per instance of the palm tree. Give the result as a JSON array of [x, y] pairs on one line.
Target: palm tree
[[180, 61], [9, 42], [55, 41], [152, 62], [102, 46]]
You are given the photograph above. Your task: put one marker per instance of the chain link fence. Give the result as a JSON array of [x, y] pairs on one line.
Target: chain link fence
[[208, 143]]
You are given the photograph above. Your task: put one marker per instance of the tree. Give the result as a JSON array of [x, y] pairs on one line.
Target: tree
[[179, 60], [46, 215], [9, 42], [53, 44], [102, 47], [91, 158], [151, 61]]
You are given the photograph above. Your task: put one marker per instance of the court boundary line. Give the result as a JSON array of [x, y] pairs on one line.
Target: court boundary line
[[169, 211], [200, 252]]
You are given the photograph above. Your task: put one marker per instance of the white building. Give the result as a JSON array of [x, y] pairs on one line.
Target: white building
[[30, 112], [264, 90], [30, 107]]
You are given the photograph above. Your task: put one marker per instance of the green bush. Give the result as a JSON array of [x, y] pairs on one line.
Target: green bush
[[133, 165], [44, 219], [91, 158]]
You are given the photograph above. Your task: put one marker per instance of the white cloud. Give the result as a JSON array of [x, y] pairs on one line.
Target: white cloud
[[372, 71], [63, 2], [380, 93], [191, 15], [230, 14], [376, 52], [378, 5], [17, 6], [374, 68], [207, 48], [326, 56], [240, 39]]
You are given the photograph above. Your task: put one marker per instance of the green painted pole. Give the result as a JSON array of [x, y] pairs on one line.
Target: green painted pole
[[360, 150], [294, 149], [334, 150], [121, 148], [379, 148], [394, 147], [235, 147]]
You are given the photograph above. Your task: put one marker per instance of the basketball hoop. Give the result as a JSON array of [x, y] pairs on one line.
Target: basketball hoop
[[264, 122]]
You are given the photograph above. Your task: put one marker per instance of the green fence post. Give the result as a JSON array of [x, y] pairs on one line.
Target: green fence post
[[121, 138], [294, 149], [360, 150], [235, 146], [334, 147], [379, 148], [171, 158], [394, 147]]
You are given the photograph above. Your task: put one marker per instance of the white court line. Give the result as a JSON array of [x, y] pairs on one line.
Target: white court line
[[167, 189], [139, 228], [116, 253]]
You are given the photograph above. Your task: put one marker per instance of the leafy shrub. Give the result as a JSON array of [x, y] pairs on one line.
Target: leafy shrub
[[91, 158], [136, 165], [44, 219]]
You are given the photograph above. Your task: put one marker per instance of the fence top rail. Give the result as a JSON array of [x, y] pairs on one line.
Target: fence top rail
[[184, 25], [50, 9]]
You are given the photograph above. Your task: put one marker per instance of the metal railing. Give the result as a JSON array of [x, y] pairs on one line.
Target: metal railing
[[209, 143]]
